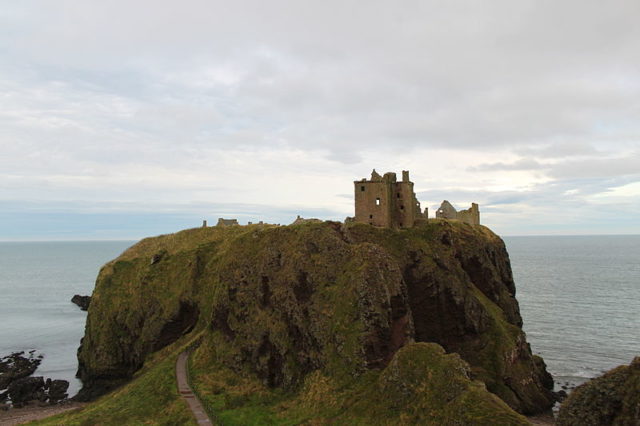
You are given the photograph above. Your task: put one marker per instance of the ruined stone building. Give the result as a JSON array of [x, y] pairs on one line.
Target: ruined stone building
[[447, 211], [300, 220], [227, 222], [383, 201]]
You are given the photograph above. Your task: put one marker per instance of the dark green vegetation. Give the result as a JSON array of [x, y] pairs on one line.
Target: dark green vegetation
[[318, 323], [611, 399]]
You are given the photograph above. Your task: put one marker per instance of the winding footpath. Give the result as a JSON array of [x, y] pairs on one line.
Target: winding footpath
[[187, 394]]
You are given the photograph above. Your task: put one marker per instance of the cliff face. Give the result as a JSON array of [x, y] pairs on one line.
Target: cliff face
[[284, 304]]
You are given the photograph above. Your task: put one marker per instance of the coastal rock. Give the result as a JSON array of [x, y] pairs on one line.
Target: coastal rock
[[21, 389], [82, 301], [611, 399], [17, 366], [282, 304], [27, 389], [57, 390]]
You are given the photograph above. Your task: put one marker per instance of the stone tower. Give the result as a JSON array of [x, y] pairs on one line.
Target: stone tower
[[383, 201]]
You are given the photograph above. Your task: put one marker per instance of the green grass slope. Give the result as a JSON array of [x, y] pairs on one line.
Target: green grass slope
[[150, 398]]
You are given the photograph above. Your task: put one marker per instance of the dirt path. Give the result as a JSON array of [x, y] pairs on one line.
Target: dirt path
[[542, 420], [185, 390], [17, 416]]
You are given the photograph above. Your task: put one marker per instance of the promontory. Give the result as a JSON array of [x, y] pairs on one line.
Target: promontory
[[313, 323]]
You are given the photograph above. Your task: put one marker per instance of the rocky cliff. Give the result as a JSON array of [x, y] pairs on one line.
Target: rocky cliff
[[295, 306]]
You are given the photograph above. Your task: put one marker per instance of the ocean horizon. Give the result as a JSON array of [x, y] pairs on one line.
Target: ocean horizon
[[579, 296]]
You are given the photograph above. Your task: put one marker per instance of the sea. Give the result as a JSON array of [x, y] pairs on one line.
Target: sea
[[37, 282], [579, 298]]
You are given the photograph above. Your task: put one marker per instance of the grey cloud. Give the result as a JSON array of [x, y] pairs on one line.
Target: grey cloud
[[599, 168], [422, 74], [523, 164], [92, 87], [559, 150]]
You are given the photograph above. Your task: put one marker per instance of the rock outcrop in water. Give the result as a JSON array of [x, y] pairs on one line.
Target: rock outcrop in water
[[321, 301], [611, 399], [82, 301], [22, 389], [16, 366]]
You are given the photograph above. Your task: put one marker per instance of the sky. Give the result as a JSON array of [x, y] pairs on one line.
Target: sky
[[121, 119]]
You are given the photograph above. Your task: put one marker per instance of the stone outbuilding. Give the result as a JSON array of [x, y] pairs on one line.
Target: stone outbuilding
[[447, 211]]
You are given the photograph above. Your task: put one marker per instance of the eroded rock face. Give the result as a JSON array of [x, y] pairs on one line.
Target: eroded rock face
[[353, 309], [449, 282], [282, 302], [611, 399]]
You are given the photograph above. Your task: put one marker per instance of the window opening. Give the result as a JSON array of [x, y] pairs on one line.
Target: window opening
[[377, 201], [370, 216], [362, 188]]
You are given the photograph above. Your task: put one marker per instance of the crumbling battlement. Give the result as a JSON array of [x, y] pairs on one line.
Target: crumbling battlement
[[447, 211], [227, 222], [383, 201]]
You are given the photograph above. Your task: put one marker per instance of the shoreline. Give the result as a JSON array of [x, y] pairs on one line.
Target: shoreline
[[16, 416]]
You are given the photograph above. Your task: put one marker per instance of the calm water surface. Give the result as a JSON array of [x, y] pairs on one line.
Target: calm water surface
[[579, 297], [37, 281], [580, 300]]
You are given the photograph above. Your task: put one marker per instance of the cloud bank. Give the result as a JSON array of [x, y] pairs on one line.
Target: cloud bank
[[200, 109]]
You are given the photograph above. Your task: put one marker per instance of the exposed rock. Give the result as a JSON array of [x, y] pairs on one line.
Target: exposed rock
[[282, 303], [611, 399], [15, 370], [182, 323], [58, 390], [17, 366], [561, 395], [27, 389], [157, 257], [82, 301]]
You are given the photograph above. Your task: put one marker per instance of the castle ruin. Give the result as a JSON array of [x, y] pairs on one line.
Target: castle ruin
[[447, 211], [383, 201]]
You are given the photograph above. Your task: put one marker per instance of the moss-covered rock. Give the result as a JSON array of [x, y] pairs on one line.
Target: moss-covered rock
[[284, 306], [426, 386], [611, 399]]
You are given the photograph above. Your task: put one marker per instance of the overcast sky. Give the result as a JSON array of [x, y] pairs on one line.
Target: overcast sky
[[122, 119]]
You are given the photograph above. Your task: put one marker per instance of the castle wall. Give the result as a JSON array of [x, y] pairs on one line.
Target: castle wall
[[471, 215], [385, 202], [405, 205], [373, 203], [382, 201]]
